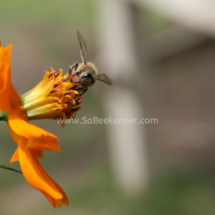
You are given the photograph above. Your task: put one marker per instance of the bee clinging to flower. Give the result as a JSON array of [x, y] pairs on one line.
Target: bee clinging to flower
[[56, 96], [85, 72]]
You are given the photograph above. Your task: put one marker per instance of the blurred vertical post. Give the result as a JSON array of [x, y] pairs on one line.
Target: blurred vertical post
[[119, 60]]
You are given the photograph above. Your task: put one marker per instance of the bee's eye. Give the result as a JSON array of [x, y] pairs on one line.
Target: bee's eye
[[87, 75]]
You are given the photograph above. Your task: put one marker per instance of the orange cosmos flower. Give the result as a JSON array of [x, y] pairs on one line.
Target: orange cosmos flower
[[53, 98]]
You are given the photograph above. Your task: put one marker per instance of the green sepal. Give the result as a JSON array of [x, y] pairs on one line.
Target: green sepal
[[8, 168], [4, 116]]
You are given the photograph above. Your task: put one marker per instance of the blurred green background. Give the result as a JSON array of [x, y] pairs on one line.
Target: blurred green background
[[43, 34]]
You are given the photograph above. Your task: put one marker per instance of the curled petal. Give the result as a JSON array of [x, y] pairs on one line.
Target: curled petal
[[15, 156], [39, 139], [36, 176], [8, 96]]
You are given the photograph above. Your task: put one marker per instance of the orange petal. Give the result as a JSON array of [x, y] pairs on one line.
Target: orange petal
[[55, 202], [15, 156], [43, 144], [8, 96], [39, 153], [38, 138], [5, 79], [36, 176], [15, 137]]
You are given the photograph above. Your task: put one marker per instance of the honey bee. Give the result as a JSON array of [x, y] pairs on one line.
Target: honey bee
[[85, 72]]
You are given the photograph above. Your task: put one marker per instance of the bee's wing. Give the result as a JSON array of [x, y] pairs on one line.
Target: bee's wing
[[104, 78], [83, 47]]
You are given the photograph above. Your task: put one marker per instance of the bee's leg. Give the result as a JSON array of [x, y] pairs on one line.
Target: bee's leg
[[82, 90], [70, 70], [85, 90], [74, 66], [76, 73]]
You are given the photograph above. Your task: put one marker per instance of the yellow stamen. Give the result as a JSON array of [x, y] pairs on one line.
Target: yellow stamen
[[52, 98]]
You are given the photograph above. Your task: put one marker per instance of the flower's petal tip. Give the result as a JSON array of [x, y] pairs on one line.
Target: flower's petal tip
[[57, 202], [58, 149], [6, 50], [66, 202], [10, 46], [15, 157]]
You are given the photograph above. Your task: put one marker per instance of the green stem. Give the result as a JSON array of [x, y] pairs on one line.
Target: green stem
[[3, 116], [8, 168]]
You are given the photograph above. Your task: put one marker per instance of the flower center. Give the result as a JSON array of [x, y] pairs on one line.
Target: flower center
[[55, 97]]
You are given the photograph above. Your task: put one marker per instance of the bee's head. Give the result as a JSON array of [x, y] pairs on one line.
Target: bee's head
[[84, 74]]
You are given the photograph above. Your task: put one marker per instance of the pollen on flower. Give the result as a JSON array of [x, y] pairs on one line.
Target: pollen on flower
[[55, 97]]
